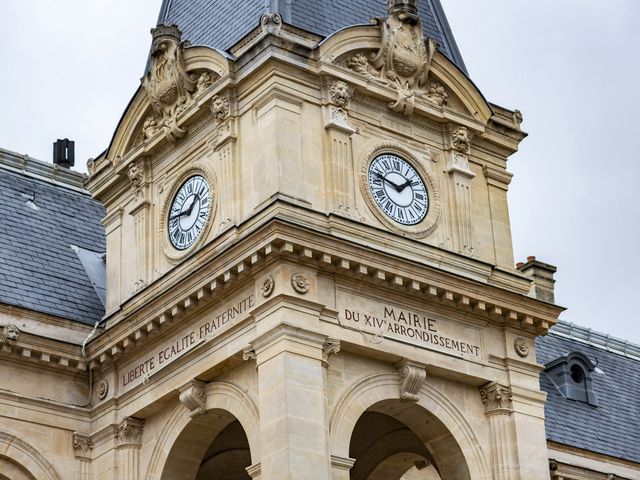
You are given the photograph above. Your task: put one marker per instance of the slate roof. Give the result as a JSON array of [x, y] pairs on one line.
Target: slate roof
[[39, 269], [222, 23], [613, 427]]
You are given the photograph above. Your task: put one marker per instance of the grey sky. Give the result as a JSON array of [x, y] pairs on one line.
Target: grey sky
[[69, 68]]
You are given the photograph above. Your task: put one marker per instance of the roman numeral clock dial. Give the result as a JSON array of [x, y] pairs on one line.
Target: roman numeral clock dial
[[398, 189], [189, 212]]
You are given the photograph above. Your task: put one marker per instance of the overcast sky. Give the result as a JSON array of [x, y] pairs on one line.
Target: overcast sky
[[69, 68]]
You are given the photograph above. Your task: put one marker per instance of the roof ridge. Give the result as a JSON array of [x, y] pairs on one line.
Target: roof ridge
[[48, 172], [599, 340]]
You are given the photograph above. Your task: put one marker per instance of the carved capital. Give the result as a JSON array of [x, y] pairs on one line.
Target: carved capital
[[129, 433], [412, 376], [496, 398], [82, 445], [9, 335], [193, 397], [330, 347], [249, 353]]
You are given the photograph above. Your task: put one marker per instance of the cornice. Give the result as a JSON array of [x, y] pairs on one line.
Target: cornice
[[43, 351], [282, 241]]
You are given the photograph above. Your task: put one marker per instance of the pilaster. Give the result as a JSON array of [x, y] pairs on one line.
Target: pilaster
[[82, 446], [128, 443], [293, 416], [498, 409]]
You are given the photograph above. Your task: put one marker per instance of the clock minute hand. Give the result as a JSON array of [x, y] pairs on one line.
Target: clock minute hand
[[393, 184], [187, 212]]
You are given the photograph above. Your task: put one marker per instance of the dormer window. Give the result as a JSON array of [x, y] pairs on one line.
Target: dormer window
[[572, 375]]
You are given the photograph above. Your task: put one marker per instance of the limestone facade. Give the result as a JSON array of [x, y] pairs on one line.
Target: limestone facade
[[304, 334]]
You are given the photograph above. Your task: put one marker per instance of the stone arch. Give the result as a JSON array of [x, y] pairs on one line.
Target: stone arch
[[380, 388], [14, 450], [227, 399]]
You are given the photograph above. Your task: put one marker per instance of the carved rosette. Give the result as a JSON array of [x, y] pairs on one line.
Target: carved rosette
[[9, 335], [193, 397], [129, 433], [300, 283], [404, 59], [268, 284], [521, 347], [413, 376], [82, 445], [496, 398], [103, 389]]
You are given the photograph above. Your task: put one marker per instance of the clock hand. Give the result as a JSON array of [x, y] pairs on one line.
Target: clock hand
[[393, 184], [187, 212], [405, 185]]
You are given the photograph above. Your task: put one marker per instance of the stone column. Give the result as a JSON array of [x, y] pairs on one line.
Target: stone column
[[82, 446], [128, 443], [293, 411], [498, 408]]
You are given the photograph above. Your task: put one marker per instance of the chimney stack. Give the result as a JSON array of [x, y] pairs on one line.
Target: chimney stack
[[541, 275], [63, 153]]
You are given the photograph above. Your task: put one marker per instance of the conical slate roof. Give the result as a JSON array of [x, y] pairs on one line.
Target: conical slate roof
[[222, 23]]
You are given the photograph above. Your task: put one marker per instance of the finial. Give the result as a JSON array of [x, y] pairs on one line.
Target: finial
[[408, 8]]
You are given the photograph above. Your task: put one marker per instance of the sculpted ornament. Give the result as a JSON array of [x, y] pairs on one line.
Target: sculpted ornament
[[496, 398], [340, 94], [413, 376], [136, 176], [461, 140], [404, 60], [129, 432], [437, 94], [169, 86], [521, 347], [103, 389], [193, 397], [220, 108], [300, 283], [267, 286], [82, 445], [9, 335]]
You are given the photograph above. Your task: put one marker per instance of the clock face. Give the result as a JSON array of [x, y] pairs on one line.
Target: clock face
[[189, 212], [398, 189]]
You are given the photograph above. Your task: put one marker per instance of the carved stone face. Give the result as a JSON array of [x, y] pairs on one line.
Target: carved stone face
[[340, 94], [11, 333], [135, 175], [460, 139], [219, 108]]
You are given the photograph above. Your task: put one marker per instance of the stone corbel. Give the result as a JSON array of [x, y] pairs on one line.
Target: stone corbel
[[330, 347], [193, 397], [496, 398], [413, 376], [138, 174], [129, 433], [249, 353], [82, 446], [271, 23]]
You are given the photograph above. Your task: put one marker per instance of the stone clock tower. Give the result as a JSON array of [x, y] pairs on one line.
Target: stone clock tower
[[309, 263]]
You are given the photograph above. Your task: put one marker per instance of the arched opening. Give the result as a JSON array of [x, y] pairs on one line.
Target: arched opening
[[213, 446], [395, 440]]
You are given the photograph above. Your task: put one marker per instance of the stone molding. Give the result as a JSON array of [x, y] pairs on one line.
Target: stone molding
[[496, 398], [330, 347], [82, 445], [254, 471], [321, 258], [192, 396], [342, 463], [129, 433], [413, 376]]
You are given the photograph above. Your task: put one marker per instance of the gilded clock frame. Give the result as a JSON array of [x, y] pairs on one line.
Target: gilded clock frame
[[430, 221]]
